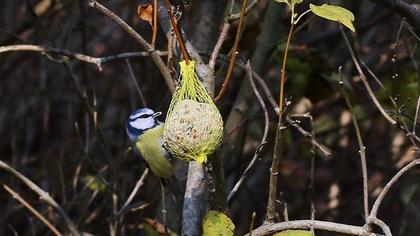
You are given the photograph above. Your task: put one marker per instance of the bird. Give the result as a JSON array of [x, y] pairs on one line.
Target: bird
[[144, 132]]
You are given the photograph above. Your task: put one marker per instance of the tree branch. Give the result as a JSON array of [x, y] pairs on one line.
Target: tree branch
[[403, 9], [269, 229], [98, 61], [44, 196], [263, 140], [372, 94], [148, 47], [16, 196], [249, 8], [193, 210], [385, 190]]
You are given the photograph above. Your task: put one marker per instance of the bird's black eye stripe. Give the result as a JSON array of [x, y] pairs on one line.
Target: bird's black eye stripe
[[144, 116]]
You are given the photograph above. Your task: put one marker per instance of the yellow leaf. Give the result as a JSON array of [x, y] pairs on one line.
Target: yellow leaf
[[294, 233], [94, 183], [217, 223], [145, 12], [334, 13]]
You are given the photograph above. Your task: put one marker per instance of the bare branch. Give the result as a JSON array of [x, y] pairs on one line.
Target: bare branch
[[416, 116], [372, 94], [263, 140], [362, 148], [225, 30], [16, 196], [148, 47], [136, 84], [269, 229], [218, 46], [322, 148], [385, 228], [364, 80], [385, 190], [44, 196], [98, 61], [234, 52], [274, 171], [404, 9], [194, 203], [133, 193], [238, 15]]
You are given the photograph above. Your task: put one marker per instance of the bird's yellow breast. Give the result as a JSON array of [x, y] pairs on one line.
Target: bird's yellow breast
[[150, 147]]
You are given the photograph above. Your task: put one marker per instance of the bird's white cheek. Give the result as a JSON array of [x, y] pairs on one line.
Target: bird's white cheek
[[142, 124]]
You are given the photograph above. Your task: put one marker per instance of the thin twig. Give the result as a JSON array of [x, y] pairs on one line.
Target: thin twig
[[269, 229], [404, 9], [16, 196], [385, 190], [177, 33], [136, 84], [248, 9], [364, 80], [234, 52], [98, 61], [46, 49], [372, 94], [225, 30], [323, 149], [90, 110], [362, 148], [218, 46], [370, 72], [278, 143], [133, 193], [283, 71], [264, 137], [155, 18], [385, 228], [44, 196], [404, 127], [251, 225], [416, 115], [326, 152], [148, 47], [164, 213], [274, 173]]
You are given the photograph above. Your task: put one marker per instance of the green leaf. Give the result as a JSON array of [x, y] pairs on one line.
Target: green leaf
[[282, 1], [293, 2], [94, 183], [334, 13], [217, 223], [289, 2], [294, 233]]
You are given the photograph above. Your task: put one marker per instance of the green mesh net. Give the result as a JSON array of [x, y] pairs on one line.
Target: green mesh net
[[193, 127]]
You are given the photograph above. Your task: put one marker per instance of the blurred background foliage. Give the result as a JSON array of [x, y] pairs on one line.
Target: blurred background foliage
[[46, 134]]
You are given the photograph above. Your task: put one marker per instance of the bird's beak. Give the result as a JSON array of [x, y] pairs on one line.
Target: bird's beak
[[156, 114]]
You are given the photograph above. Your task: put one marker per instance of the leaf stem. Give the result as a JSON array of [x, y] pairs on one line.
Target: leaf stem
[[177, 33], [283, 70], [234, 52], [155, 14], [278, 146]]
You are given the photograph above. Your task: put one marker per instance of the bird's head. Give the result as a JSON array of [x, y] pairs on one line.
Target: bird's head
[[141, 120]]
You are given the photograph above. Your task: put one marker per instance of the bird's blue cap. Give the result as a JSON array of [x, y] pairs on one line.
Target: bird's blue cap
[[141, 120]]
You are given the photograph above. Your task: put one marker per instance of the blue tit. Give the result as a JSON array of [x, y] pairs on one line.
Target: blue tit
[[144, 131]]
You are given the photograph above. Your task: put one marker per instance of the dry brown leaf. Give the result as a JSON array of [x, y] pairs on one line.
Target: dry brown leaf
[[145, 12]]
